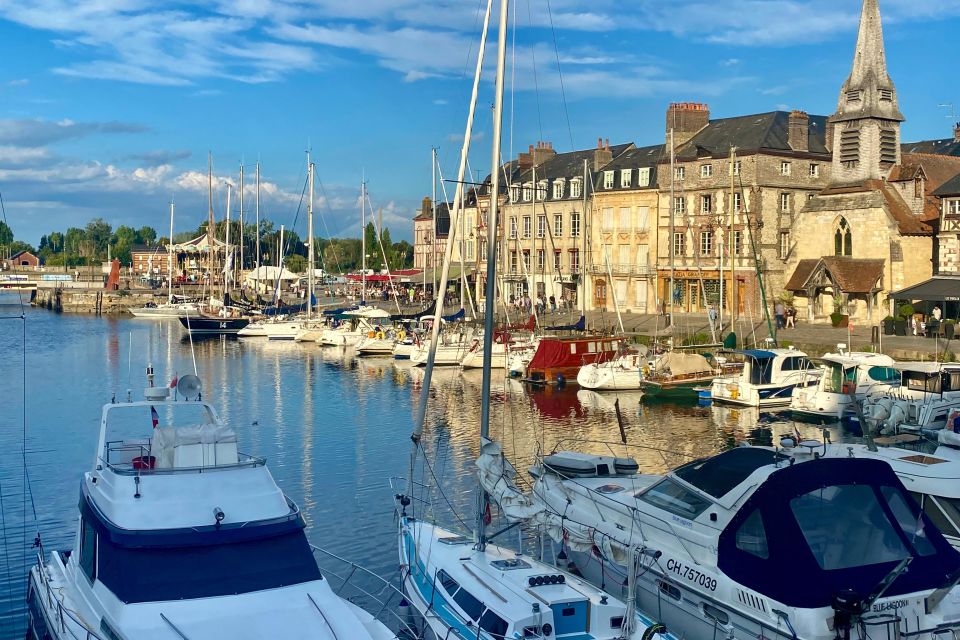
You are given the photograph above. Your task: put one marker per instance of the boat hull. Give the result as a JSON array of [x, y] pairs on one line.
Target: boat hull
[[162, 312], [206, 325], [686, 390]]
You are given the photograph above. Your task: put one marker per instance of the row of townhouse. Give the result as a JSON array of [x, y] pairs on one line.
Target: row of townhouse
[[832, 211]]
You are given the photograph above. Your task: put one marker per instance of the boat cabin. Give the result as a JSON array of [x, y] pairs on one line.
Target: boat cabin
[[928, 377], [844, 373], [770, 366], [559, 359]]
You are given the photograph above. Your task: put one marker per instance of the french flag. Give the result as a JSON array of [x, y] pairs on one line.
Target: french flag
[[154, 417]]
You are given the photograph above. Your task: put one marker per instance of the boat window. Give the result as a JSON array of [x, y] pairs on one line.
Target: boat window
[[670, 496], [148, 574], [752, 537], [833, 378], [943, 512], [716, 614], [573, 347], [912, 525], [669, 590], [719, 474], [920, 382], [470, 605], [883, 374], [951, 381], [796, 363], [592, 347], [845, 526], [493, 624], [88, 550], [760, 370], [448, 583]]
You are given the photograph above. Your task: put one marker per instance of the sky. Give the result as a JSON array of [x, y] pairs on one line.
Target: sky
[[108, 108]]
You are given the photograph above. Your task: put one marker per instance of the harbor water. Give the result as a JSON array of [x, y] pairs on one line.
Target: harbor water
[[335, 429]]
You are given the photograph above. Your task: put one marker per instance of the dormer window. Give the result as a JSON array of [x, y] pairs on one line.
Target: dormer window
[[542, 190], [643, 177], [527, 191], [853, 96], [626, 176], [576, 187], [886, 95], [514, 192], [608, 179], [557, 189]]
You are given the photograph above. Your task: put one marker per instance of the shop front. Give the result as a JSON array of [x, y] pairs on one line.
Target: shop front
[[694, 291]]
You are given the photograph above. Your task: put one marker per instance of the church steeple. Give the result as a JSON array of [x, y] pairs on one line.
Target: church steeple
[[866, 135]]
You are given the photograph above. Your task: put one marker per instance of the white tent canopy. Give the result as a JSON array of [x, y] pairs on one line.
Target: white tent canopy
[[270, 273]]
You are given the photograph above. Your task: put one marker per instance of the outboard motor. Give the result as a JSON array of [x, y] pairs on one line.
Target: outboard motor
[[847, 606]]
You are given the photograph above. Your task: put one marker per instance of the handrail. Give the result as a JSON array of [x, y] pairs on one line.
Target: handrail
[[63, 614], [383, 593]]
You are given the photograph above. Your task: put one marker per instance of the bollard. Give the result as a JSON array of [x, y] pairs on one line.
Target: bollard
[[875, 334]]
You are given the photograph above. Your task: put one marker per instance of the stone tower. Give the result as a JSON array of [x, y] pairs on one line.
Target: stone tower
[[866, 127]]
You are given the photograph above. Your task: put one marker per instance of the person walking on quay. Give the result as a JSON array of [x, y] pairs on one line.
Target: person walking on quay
[[712, 316], [791, 317], [778, 313], [553, 304]]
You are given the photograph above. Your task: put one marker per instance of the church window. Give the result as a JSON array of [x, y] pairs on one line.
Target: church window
[[843, 239], [850, 147], [888, 146], [886, 95], [853, 96]]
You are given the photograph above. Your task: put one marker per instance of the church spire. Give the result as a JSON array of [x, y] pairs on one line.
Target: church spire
[[866, 126], [869, 91]]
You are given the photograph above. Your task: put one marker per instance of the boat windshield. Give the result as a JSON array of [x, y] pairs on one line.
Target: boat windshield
[[674, 498], [204, 571], [836, 375], [888, 375]]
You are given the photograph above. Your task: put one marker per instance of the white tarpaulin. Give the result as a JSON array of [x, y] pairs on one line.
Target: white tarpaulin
[[678, 364], [270, 273]]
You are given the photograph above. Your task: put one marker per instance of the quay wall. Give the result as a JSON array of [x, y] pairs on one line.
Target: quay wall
[[98, 301]]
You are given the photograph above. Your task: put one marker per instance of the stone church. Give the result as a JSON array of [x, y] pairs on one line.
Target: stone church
[[872, 229]]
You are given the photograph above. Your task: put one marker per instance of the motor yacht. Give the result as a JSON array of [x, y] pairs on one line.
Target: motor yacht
[[926, 395], [180, 535], [752, 542], [768, 378], [848, 377]]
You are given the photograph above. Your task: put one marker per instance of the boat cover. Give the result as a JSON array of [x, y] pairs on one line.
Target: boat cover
[[678, 363], [579, 325]]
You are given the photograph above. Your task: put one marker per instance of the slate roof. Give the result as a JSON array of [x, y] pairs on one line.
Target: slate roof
[[762, 131], [637, 158], [852, 275], [949, 188], [872, 194], [945, 147], [443, 218]]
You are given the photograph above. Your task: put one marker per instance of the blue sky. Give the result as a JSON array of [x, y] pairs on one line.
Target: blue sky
[[108, 108]]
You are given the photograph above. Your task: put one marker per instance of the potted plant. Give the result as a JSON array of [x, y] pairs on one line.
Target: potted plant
[[900, 326], [948, 329], [888, 327]]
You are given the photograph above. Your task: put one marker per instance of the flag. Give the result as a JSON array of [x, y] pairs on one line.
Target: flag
[[173, 383], [154, 416]]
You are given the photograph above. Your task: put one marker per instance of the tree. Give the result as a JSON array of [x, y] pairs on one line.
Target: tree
[[374, 259], [73, 241], [147, 235], [6, 233], [124, 234], [98, 235], [296, 263], [388, 248], [55, 242], [403, 250]]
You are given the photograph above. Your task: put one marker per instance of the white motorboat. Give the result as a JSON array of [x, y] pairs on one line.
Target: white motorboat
[[180, 535], [379, 344], [925, 397], [503, 347], [282, 328], [452, 347], [752, 542], [358, 323], [619, 374], [768, 378], [848, 377]]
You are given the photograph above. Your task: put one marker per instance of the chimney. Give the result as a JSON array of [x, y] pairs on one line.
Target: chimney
[[686, 119], [525, 160], [426, 206], [543, 152], [956, 132], [602, 154], [798, 131]]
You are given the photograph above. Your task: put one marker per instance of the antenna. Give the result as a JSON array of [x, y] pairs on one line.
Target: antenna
[[189, 386]]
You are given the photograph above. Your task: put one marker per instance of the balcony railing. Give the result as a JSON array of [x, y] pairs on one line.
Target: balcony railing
[[625, 269]]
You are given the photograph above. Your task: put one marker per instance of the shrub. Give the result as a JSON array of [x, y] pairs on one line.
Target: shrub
[[906, 310]]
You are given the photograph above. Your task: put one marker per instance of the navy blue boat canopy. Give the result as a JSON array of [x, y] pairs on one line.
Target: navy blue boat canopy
[[718, 474], [759, 354], [817, 528]]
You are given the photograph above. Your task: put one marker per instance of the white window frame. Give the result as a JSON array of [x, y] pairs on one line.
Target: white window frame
[[737, 201], [541, 260], [574, 260], [784, 202], [628, 212], [785, 168], [606, 219], [558, 225], [576, 187], [679, 173], [705, 198], [737, 167], [706, 243], [527, 227], [514, 192], [737, 242], [679, 205], [557, 189], [626, 177], [643, 177], [513, 227], [706, 170], [527, 191], [814, 170], [679, 243], [541, 225], [953, 206], [575, 224], [557, 260], [784, 244], [608, 179]]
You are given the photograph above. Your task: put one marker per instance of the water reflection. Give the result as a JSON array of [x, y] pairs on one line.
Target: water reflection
[[335, 428]]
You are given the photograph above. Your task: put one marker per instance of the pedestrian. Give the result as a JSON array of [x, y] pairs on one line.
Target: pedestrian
[[553, 304], [791, 317], [778, 312], [712, 315], [936, 313]]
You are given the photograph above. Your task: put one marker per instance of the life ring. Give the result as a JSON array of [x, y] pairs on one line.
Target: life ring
[[401, 335], [371, 333], [380, 335]]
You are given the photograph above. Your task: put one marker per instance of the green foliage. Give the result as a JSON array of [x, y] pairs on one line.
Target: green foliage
[[296, 263], [6, 233], [949, 356], [906, 310], [786, 297], [696, 339]]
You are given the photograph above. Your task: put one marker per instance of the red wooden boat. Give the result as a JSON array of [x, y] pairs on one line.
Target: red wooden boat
[[559, 359]]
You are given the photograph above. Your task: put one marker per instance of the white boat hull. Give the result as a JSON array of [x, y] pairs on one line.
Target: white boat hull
[[598, 377], [165, 311]]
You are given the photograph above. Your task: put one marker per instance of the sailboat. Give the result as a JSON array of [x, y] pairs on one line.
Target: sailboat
[[466, 587], [171, 308], [213, 319]]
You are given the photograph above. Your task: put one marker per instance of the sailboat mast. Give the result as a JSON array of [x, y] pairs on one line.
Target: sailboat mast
[[433, 230], [581, 280], [491, 259], [363, 240], [241, 219], [258, 224], [170, 257], [734, 301], [210, 223], [310, 256], [671, 209], [227, 267]]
